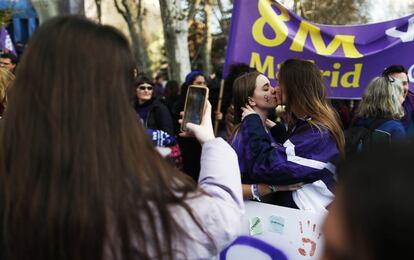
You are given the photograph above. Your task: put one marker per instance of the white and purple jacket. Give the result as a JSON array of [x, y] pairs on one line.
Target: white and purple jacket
[[308, 155]]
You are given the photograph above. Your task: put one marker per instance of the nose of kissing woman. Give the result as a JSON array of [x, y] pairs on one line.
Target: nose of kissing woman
[[278, 95]]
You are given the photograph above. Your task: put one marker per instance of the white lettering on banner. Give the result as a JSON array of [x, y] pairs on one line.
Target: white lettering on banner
[[294, 232], [410, 73], [407, 36]]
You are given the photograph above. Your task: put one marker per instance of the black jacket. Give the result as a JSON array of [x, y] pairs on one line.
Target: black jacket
[[158, 117]]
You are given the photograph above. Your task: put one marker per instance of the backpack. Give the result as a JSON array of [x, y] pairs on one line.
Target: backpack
[[361, 138]]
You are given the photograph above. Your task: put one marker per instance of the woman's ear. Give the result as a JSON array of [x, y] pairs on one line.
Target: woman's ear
[[251, 101]]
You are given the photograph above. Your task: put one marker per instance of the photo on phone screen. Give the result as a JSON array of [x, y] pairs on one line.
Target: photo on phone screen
[[194, 105]]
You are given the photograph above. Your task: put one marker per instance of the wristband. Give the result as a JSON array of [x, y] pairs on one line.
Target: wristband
[[273, 188], [255, 192]]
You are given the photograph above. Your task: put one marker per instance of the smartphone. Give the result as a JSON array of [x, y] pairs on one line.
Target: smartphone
[[194, 105]]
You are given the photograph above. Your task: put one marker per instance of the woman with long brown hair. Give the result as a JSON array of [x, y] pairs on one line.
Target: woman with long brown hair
[[254, 89], [314, 141], [79, 178]]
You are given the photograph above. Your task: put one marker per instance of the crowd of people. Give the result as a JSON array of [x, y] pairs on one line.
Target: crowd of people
[[94, 165]]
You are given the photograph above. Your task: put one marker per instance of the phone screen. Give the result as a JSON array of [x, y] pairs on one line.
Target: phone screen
[[194, 105]]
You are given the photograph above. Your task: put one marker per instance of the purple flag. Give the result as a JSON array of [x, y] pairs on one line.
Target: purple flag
[[5, 41], [264, 33]]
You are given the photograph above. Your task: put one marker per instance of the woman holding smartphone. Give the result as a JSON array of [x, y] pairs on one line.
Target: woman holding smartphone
[[315, 139], [79, 178], [190, 148]]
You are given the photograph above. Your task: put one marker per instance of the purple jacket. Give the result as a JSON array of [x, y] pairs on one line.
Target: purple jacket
[[309, 155]]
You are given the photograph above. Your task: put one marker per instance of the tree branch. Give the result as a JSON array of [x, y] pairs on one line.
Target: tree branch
[[99, 9], [139, 9], [221, 8], [193, 10], [119, 10], [127, 10]]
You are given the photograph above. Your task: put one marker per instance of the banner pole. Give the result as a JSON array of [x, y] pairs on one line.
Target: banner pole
[[220, 99]]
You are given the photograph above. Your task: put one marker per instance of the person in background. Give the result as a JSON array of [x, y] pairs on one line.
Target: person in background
[[92, 186], [8, 61], [343, 109], [152, 111], [20, 48], [382, 100], [315, 141], [372, 215], [399, 72], [159, 85], [213, 84], [172, 89], [6, 78], [156, 117]]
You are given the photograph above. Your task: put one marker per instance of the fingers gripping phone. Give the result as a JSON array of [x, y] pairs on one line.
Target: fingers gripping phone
[[194, 105]]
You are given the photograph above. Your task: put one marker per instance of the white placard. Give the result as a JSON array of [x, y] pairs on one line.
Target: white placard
[[296, 233]]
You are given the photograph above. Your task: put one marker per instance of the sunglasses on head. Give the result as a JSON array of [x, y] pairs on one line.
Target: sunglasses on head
[[145, 87]]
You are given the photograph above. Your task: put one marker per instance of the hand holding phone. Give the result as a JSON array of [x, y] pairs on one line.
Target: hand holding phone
[[194, 105], [203, 131]]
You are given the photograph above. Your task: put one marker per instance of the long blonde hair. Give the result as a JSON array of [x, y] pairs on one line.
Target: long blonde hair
[[6, 77], [305, 91], [381, 99]]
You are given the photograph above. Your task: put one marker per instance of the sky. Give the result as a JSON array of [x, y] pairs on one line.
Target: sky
[[381, 10], [389, 9]]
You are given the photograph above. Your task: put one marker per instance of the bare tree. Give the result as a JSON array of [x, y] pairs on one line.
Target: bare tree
[[132, 13], [49, 8], [98, 4], [224, 20], [208, 37], [192, 10], [70, 7], [201, 28], [336, 12], [174, 20], [63, 6]]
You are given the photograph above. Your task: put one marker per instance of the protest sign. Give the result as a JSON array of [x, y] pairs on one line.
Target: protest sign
[[264, 33], [273, 232]]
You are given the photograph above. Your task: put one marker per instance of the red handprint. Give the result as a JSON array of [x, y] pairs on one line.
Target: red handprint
[[312, 233]]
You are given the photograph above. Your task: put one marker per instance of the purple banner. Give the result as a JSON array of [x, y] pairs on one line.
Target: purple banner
[[5, 41], [264, 33]]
